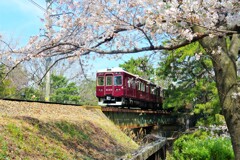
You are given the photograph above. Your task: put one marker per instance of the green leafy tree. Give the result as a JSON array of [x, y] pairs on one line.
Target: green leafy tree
[[63, 91], [7, 90], [30, 93], [193, 86], [140, 66], [201, 146]]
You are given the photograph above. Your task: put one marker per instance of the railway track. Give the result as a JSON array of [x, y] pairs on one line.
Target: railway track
[[104, 109], [23, 100], [134, 110]]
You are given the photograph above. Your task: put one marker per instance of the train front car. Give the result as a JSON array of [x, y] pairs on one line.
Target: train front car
[[109, 89]]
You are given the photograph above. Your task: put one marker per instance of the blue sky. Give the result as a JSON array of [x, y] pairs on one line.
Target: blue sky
[[20, 19]]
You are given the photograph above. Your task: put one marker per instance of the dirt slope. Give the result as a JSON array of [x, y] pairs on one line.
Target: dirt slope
[[43, 131]]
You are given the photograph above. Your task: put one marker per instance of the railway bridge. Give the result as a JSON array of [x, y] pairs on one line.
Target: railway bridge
[[137, 118], [166, 123]]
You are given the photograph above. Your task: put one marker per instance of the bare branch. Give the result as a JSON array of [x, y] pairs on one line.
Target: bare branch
[[51, 66], [82, 68], [8, 45], [150, 48]]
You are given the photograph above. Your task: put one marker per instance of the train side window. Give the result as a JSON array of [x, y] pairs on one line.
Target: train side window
[[109, 80], [100, 81], [139, 86], [118, 80], [133, 85], [147, 89], [129, 82], [153, 90], [161, 93], [143, 87]]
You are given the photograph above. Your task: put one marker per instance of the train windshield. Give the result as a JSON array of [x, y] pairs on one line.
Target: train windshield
[[100, 81], [118, 80]]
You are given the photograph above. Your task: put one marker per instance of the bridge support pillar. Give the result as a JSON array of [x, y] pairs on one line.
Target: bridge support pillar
[[159, 155], [152, 151]]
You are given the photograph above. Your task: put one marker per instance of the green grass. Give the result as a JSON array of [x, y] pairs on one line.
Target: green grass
[[3, 148], [29, 138], [26, 142], [71, 131]]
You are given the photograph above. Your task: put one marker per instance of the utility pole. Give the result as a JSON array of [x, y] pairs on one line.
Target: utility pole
[[48, 79], [48, 60]]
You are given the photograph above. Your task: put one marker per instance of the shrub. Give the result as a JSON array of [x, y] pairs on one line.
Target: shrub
[[198, 146]]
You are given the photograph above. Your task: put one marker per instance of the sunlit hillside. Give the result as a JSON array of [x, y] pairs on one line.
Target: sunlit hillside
[[43, 131]]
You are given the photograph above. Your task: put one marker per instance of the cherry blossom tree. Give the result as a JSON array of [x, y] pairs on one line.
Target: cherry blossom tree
[[74, 28]]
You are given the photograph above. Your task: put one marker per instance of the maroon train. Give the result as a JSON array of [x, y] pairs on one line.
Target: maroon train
[[116, 87]]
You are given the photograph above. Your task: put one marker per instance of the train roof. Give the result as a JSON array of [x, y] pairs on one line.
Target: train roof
[[113, 70], [118, 69]]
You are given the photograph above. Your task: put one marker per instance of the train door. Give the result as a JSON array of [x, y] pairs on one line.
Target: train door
[[158, 95], [138, 89], [134, 88], [147, 92], [108, 85], [118, 90], [127, 86], [130, 87], [100, 86]]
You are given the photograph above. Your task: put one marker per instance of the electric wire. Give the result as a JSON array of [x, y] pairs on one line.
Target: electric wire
[[37, 5]]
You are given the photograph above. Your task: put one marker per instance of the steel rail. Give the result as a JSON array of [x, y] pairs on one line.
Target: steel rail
[[104, 109]]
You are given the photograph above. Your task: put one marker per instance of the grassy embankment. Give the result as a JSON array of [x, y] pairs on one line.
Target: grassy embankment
[[42, 131]]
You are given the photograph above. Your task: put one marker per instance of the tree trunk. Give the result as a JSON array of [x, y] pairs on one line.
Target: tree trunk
[[225, 67], [226, 80]]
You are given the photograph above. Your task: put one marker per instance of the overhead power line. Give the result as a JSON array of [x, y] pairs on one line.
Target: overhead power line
[[37, 5]]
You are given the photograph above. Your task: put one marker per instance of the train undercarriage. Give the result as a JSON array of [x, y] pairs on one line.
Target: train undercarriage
[[127, 102]]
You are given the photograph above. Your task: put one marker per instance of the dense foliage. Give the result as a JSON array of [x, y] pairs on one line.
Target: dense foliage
[[30, 93], [193, 86], [140, 66], [7, 89], [63, 91], [200, 146]]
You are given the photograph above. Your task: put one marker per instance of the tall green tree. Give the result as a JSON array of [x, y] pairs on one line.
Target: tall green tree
[[31, 93], [63, 91], [193, 86], [140, 66], [7, 89]]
